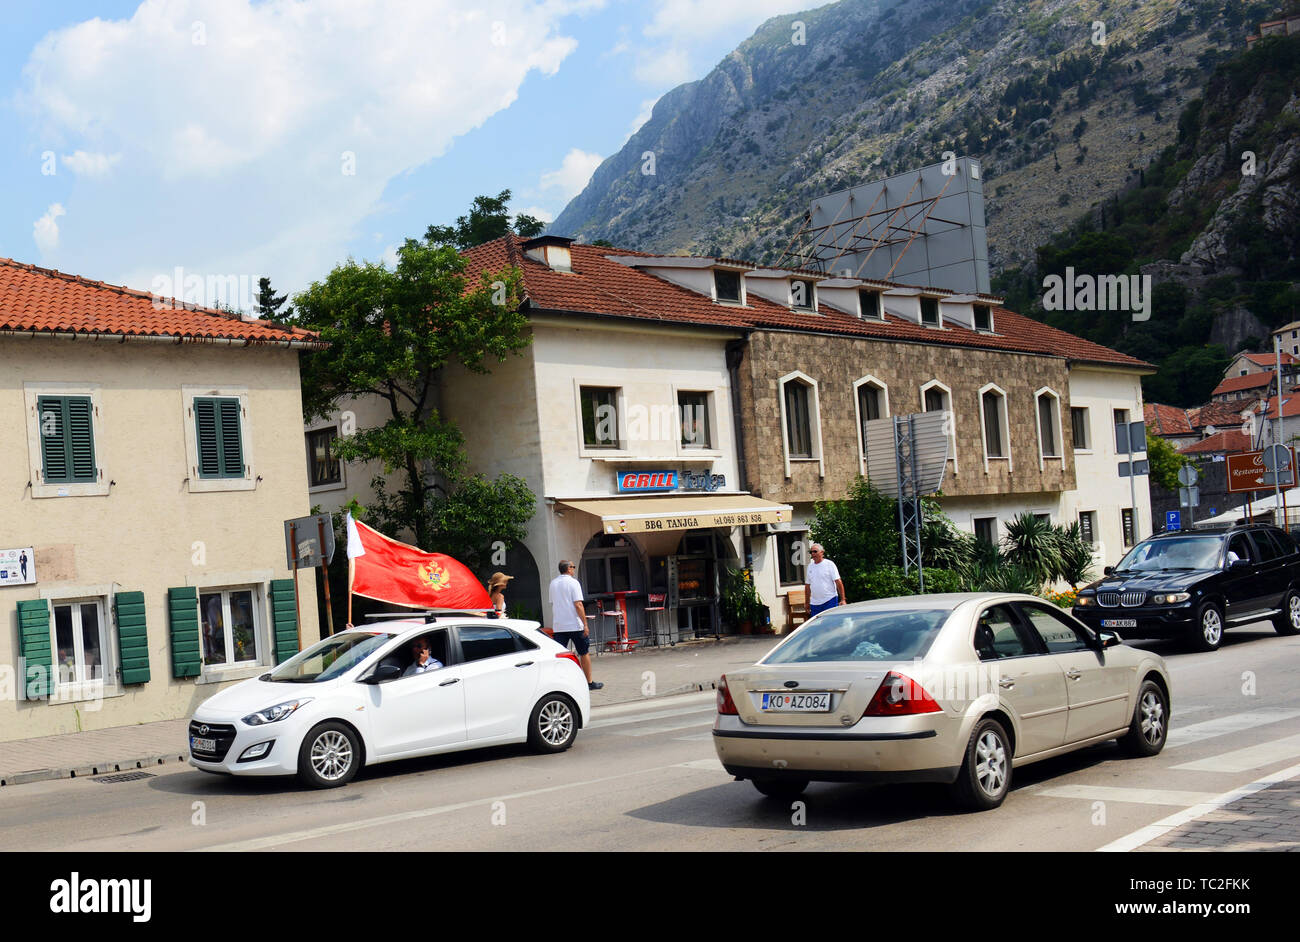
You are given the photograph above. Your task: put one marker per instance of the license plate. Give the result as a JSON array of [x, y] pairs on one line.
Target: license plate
[[797, 702], [1119, 623], [202, 745]]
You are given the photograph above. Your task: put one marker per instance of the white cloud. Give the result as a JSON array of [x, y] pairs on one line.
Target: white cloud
[[574, 172], [389, 258], [46, 230], [664, 67], [644, 115], [265, 147], [538, 212], [679, 28], [85, 164]]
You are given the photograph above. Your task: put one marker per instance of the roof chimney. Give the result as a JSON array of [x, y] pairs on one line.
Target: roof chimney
[[551, 251]]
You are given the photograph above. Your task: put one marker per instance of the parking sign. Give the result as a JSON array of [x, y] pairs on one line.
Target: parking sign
[[1173, 520]]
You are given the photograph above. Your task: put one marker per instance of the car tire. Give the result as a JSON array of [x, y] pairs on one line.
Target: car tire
[[329, 756], [985, 776], [1150, 727], [1207, 633], [782, 789], [1287, 622], [554, 723]]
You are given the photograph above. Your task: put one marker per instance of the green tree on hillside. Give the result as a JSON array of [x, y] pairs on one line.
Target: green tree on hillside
[[487, 219]]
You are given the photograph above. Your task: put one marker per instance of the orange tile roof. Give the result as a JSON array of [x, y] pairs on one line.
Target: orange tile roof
[[600, 286], [1220, 413], [1269, 360], [1166, 420], [1239, 383], [43, 301], [1229, 442]]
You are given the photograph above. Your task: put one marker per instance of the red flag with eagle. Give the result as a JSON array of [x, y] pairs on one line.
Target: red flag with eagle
[[384, 569]]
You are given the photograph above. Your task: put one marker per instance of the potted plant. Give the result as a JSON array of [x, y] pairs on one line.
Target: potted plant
[[740, 603]]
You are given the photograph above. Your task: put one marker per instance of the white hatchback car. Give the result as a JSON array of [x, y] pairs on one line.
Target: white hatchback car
[[354, 699]]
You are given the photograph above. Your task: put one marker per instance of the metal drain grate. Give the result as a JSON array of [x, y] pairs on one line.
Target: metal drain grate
[[124, 777]]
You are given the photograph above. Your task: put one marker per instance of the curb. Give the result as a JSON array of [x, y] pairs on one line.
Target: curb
[[89, 770]]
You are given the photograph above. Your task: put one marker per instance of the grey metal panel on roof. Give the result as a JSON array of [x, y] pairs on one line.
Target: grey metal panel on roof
[[932, 444]]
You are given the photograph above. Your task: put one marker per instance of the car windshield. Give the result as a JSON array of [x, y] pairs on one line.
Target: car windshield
[[1184, 552], [329, 658], [876, 635]]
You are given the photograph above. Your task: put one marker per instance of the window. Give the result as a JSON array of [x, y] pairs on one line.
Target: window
[[726, 285], [67, 439], [872, 405], [935, 397], [1049, 416], [599, 416], [1054, 629], [1241, 373], [1266, 548], [1088, 526], [1121, 431], [229, 627], [694, 408], [79, 644], [798, 420], [869, 305], [997, 635], [994, 405], [803, 294], [220, 444], [986, 530], [1079, 428], [1046, 518], [983, 317], [930, 312], [1126, 525], [791, 556], [934, 400], [323, 467], [479, 643]]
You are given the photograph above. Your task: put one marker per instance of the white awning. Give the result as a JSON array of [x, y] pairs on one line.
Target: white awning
[[681, 512]]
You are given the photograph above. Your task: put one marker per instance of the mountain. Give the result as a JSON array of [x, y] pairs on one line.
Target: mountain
[[1061, 113]]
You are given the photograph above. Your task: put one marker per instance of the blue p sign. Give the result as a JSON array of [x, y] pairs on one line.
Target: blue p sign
[[1173, 520]]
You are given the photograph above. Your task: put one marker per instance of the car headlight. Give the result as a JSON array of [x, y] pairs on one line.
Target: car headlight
[[273, 714], [1173, 598], [1084, 601]]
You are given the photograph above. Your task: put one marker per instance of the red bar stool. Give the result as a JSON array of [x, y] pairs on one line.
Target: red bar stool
[[655, 602]]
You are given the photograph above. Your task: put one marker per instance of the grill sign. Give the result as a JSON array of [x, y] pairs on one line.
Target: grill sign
[[640, 481]]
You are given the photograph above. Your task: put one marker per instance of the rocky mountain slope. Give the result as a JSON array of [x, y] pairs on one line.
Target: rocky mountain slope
[[1061, 112]]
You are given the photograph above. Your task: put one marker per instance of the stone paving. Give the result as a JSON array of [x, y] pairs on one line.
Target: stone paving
[[1268, 819]]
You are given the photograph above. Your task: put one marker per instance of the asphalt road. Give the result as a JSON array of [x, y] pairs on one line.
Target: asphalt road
[[646, 778]]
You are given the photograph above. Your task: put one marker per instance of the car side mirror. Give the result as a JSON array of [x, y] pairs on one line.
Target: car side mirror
[[1109, 639], [1239, 564], [382, 673], [1108, 570]]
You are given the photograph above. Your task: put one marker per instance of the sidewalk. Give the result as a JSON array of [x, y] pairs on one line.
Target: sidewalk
[[657, 672]]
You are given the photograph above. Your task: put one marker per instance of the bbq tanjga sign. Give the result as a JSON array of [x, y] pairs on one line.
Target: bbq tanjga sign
[[1246, 472]]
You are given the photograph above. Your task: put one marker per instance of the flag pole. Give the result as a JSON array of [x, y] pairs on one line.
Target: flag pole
[[351, 573]]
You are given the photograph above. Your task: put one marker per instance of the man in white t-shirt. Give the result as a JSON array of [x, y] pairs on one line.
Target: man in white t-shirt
[[569, 618], [822, 582]]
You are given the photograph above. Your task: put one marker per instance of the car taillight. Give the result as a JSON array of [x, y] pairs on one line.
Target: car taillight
[[899, 695], [726, 705], [570, 656]]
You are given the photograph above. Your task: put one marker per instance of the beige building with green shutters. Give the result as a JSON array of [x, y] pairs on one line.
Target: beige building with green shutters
[[149, 454]]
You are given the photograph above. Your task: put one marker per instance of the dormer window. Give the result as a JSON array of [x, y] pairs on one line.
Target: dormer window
[[869, 305], [983, 317], [551, 251], [802, 294], [930, 312], [726, 285]]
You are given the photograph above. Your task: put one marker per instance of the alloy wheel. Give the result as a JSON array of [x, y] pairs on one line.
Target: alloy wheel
[[1211, 627], [991, 769], [555, 722], [331, 755], [1293, 611], [1153, 717]]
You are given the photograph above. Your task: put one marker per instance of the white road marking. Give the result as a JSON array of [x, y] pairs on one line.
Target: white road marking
[[1242, 760], [665, 727], [292, 837], [1142, 796], [697, 737], [1235, 723], [650, 717], [1165, 825], [651, 704], [707, 765]]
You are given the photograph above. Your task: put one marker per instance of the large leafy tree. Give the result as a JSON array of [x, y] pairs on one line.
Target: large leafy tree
[[487, 219], [391, 332]]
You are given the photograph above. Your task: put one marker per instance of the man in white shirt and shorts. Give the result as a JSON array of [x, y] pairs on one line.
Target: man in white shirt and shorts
[[569, 618], [822, 582]]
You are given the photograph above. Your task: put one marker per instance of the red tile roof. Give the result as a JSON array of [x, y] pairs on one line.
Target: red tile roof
[[1220, 413], [1229, 442], [1269, 360], [44, 301], [600, 286], [1166, 420], [1239, 383], [1290, 407]]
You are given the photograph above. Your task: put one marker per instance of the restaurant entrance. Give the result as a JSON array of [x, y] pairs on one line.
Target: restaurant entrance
[[613, 564]]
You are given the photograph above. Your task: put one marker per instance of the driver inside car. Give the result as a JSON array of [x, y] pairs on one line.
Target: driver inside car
[[422, 658]]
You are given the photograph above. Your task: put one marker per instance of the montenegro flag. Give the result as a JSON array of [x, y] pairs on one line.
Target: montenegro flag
[[384, 569]]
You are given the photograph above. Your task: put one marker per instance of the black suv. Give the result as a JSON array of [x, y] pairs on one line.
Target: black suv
[[1191, 584]]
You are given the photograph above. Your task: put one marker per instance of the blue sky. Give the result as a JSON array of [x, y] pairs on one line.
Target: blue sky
[[236, 138]]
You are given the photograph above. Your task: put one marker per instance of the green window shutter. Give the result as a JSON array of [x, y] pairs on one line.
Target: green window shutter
[[54, 439], [67, 429], [218, 429], [132, 637], [183, 619], [81, 439], [284, 619], [35, 649]]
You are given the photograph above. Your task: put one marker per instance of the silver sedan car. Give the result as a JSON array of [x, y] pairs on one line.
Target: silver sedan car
[[958, 689]]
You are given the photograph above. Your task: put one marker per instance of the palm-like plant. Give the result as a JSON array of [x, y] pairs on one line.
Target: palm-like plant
[[1032, 544], [1076, 554]]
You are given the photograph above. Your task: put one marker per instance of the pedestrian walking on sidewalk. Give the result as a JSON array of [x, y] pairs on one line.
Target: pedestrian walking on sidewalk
[[569, 618], [823, 586], [497, 592]]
